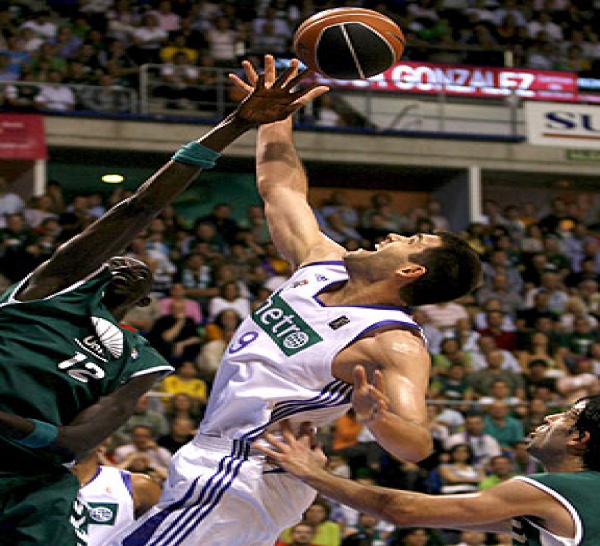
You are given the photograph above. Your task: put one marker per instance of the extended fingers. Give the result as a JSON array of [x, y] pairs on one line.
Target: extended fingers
[[250, 72], [241, 84], [360, 377]]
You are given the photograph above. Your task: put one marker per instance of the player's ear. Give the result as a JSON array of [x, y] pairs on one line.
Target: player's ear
[[411, 271], [579, 441], [144, 302]]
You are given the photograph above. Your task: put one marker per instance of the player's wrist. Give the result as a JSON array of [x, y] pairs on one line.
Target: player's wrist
[[196, 154], [42, 435]]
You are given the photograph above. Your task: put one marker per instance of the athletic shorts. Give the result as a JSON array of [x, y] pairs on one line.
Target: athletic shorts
[[36, 508], [220, 493]]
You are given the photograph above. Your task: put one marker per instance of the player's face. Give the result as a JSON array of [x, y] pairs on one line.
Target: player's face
[[395, 249], [131, 279], [551, 438]]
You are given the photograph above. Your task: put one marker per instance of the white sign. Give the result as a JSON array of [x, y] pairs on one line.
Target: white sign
[[562, 124]]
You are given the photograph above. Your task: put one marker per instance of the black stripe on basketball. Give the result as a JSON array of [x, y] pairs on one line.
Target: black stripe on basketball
[[352, 51]]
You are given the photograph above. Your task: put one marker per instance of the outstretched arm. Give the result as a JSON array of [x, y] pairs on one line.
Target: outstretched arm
[[490, 510], [110, 234], [90, 427], [282, 184]]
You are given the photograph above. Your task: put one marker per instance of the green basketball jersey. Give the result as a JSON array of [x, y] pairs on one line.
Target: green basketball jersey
[[59, 355], [578, 493]]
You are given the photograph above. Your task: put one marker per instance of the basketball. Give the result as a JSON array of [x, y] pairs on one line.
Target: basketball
[[349, 43]]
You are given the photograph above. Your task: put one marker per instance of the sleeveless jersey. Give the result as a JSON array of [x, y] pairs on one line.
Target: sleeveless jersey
[[108, 498], [60, 354], [578, 493], [278, 364]]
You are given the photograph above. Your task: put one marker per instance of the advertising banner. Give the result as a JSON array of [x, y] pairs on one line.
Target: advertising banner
[[22, 136]]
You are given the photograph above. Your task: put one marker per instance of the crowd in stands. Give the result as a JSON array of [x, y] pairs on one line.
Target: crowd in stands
[[99, 45], [523, 345]]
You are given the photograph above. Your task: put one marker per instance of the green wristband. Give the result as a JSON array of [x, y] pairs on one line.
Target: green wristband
[[196, 154], [42, 435]]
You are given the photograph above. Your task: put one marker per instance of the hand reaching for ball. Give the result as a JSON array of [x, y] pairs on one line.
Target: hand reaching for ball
[[270, 97]]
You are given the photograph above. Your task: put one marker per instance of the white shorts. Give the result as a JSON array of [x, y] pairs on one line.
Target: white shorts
[[219, 493]]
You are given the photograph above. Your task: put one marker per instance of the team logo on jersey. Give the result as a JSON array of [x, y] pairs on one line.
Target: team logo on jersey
[[109, 335], [300, 283], [284, 326], [321, 278], [339, 322], [103, 513]]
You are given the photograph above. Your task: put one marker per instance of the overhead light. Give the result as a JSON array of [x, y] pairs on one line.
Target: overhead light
[[113, 178]]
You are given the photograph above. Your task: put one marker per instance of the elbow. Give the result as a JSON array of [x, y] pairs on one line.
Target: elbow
[[421, 449]]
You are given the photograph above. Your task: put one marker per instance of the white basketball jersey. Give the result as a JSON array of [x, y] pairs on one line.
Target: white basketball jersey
[[278, 364], [109, 496]]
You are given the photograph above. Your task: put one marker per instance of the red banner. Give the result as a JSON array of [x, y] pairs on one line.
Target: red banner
[[469, 81], [22, 136]]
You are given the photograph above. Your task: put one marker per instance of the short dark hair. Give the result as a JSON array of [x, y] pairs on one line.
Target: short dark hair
[[589, 421], [453, 270]]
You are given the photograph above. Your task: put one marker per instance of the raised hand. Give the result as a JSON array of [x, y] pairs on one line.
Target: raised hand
[[270, 97], [300, 455], [368, 400]]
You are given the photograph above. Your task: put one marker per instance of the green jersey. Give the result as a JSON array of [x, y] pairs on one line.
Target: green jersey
[[578, 493], [58, 355]]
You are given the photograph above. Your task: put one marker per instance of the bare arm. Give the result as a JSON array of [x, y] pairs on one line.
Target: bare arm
[[270, 100], [146, 493], [91, 426], [489, 510], [394, 407], [282, 184]]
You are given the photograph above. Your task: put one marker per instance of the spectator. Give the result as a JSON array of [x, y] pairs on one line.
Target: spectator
[[224, 224], [143, 416], [505, 339], [550, 282], [222, 41], [229, 298], [182, 406], [499, 391], [483, 445], [487, 345], [175, 335], [107, 97], [507, 430], [54, 95], [501, 469], [527, 317], [366, 532], [450, 353], [482, 380], [459, 475], [444, 316], [185, 380], [501, 290], [180, 433], [10, 202], [166, 18], [452, 386], [432, 334], [42, 24], [197, 279], [328, 533], [300, 534], [178, 293], [472, 538], [147, 40], [541, 347], [181, 84]]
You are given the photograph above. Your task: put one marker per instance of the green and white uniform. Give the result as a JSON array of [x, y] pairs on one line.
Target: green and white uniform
[[58, 356], [578, 493]]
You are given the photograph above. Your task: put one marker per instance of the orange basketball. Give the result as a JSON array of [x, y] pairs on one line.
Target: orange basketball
[[349, 43]]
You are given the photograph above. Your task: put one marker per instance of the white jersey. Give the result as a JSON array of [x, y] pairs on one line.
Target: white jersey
[[109, 497], [221, 491], [278, 364]]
